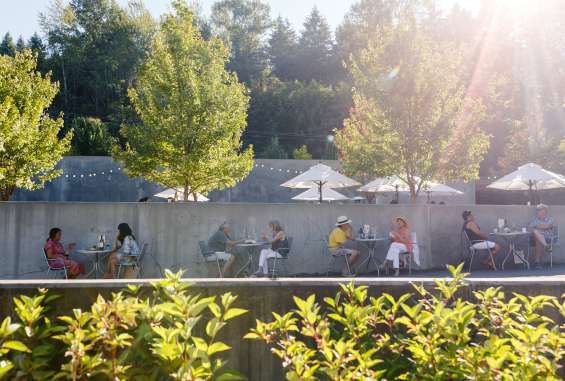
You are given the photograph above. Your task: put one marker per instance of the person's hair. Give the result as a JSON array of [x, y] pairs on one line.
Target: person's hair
[[124, 231], [52, 233], [276, 226], [466, 215], [222, 226], [404, 222]]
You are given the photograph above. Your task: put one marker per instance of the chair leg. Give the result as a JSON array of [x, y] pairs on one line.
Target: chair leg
[[119, 271], [66, 275], [551, 256], [492, 259], [471, 260], [219, 268], [274, 267], [410, 264], [347, 263]]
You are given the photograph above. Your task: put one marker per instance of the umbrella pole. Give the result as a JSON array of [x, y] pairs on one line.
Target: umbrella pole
[[320, 191]]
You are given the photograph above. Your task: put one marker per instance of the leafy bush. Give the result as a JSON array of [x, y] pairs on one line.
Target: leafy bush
[[301, 153], [169, 335], [427, 336]]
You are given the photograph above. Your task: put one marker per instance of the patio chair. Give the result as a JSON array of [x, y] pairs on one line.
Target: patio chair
[[335, 256], [133, 261], [470, 247], [53, 265], [410, 254], [553, 242], [210, 256], [284, 252]]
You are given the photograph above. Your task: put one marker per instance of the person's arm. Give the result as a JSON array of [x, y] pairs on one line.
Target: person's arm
[[349, 233], [50, 252], [278, 237], [475, 229]]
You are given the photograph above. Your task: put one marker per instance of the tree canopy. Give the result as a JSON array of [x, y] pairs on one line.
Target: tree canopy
[[410, 119], [29, 139], [192, 112]]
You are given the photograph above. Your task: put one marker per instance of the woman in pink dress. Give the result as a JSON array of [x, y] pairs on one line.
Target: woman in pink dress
[[55, 250]]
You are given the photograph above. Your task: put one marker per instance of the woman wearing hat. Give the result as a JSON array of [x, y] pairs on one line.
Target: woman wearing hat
[[401, 243], [341, 242]]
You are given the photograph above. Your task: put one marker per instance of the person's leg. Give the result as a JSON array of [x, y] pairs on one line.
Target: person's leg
[[263, 261], [111, 265], [228, 265], [269, 254], [540, 245]]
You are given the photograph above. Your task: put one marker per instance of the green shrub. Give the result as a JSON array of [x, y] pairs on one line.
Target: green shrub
[[426, 336], [168, 335]]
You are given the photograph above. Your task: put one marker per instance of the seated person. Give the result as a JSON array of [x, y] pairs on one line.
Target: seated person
[[278, 241], [341, 242], [401, 243], [125, 246], [55, 250], [478, 239], [221, 244], [542, 232]]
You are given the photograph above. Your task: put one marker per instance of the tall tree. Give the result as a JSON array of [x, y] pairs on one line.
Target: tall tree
[[90, 137], [283, 49], [29, 143], [7, 47], [315, 50], [192, 109], [95, 48], [20, 44], [242, 24], [410, 119], [38, 48]]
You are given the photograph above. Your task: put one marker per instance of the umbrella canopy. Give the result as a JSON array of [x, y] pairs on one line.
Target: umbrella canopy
[[528, 177], [320, 176], [313, 194], [395, 184], [177, 194]]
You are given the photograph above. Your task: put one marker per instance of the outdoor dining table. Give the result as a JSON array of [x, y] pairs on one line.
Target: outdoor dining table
[[371, 245], [512, 240], [251, 249], [94, 255]]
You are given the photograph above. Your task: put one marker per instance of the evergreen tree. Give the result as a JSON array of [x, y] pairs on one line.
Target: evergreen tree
[[20, 44], [283, 49], [242, 24], [315, 49], [36, 45], [274, 150], [7, 47]]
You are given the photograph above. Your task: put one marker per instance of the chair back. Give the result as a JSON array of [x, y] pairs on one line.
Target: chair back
[[555, 235], [285, 251], [465, 244], [50, 261], [204, 249], [415, 248], [142, 252]]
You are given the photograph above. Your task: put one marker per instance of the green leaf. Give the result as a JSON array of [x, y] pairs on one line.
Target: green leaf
[[16, 346], [234, 312]]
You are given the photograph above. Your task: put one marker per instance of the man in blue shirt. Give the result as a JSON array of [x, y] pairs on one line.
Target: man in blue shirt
[[223, 246], [542, 232]]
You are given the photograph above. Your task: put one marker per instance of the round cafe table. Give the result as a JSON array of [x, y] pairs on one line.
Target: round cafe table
[[251, 249], [371, 245], [94, 255], [513, 239]]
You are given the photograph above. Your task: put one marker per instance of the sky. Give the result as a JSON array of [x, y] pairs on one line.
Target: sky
[[20, 17]]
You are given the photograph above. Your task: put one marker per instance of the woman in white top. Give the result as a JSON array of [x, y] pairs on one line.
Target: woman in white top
[[278, 241], [125, 247]]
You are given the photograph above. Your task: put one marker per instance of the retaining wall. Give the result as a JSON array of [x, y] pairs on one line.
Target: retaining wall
[[173, 230]]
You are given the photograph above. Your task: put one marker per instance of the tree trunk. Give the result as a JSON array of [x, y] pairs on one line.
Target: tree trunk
[[185, 193], [6, 192]]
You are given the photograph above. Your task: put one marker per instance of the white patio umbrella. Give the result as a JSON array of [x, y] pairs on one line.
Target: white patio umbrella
[[320, 176], [529, 177], [177, 194], [313, 194], [396, 184]]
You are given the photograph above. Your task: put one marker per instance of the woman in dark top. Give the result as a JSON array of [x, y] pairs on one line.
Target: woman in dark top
[[278, 241], [479, 240]]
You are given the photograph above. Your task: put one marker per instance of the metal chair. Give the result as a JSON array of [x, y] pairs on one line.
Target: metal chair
[[336, 256], [470, 247], [553, 242], [210, 256], [135, 261], [55, 266], [283, 252], [410, 254]]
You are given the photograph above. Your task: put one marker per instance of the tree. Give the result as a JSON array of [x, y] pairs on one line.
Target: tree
[[242, 24], [283, 49], [36, 45], [20, 44], [315, 49], [301, 153], [7, 47], [29, 143], [193, 112], [90, 137], [274, 150], [410, 119]]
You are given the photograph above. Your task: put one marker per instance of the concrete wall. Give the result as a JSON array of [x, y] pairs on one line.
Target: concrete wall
[[261, 297], [262, 185], [173, 230]]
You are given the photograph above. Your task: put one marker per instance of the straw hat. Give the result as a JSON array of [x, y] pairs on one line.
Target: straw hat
[[342, 220]]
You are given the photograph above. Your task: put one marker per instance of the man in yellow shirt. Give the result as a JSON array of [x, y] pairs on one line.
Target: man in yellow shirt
[[341, 243]]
